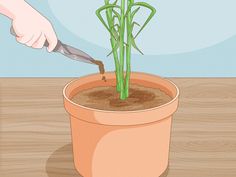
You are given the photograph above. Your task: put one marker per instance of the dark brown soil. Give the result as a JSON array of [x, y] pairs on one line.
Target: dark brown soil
[[101, 68], [106, 98]]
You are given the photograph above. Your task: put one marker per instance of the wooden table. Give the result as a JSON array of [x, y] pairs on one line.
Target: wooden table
[[35, 132]]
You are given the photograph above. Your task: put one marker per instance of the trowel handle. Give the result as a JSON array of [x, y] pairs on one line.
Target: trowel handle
[[46, 44]]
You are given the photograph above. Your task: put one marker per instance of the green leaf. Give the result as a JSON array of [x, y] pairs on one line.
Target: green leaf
[[152, 13], [116, 25], [115, 2], [134, 12], [108, 2], [132, 26], [133, 43], [114, 17], [98, 13], [116, 14], [116, 47], [116, 34]]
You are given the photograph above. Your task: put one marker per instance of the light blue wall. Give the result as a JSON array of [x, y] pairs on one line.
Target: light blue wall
[[215, 60]]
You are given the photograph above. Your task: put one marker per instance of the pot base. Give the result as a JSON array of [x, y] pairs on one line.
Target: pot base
[[164, 174]]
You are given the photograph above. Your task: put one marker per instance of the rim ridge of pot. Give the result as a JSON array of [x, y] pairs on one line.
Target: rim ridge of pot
[[108, 117]]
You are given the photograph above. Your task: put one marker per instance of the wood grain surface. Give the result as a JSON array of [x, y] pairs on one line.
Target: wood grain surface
[[35, 131]]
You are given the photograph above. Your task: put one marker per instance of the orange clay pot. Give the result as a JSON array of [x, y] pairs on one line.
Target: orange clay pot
[[120, 143]]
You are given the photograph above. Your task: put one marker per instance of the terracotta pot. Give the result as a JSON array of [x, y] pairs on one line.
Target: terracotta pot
[[120, 143]]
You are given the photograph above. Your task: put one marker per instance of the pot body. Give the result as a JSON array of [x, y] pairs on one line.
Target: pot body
[[120, 143]]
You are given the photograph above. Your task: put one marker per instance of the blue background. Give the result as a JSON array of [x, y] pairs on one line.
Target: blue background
[[218, 60]]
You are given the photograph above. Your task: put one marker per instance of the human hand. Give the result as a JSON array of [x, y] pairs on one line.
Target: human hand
[[31, 28]]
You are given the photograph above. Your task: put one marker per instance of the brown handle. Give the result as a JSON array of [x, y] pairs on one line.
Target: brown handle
[[46, 44]]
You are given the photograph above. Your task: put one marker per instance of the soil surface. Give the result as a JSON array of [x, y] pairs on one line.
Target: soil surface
[[107, 98]]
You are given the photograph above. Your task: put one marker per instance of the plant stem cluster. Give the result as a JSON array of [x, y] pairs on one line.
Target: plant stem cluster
[[119, 20]]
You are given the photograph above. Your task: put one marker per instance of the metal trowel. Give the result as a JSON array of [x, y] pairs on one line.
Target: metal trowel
[[69, 51]]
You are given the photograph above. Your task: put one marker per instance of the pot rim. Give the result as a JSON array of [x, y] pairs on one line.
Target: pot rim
[[115, 111]]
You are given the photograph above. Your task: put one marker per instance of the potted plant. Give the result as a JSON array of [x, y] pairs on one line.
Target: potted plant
[[121, 127]]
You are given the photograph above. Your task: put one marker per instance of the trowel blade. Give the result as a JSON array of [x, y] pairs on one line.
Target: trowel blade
[[74, 53]]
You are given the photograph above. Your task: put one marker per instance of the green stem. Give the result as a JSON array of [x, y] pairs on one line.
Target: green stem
[[119, 47], [128, 49], [122, 31], [113, 43], [115, 54]]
